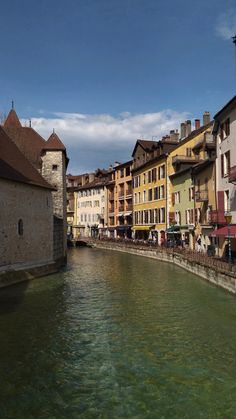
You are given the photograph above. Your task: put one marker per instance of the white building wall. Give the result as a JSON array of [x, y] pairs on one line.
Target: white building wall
[[90, 209], [229, 143]]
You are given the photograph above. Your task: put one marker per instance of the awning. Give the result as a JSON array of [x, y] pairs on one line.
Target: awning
[[223, 231], [173, 229], [136, 228], [122, 228]]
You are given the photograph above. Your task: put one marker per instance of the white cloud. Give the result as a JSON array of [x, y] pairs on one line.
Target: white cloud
[[98, 140], [226, 24]]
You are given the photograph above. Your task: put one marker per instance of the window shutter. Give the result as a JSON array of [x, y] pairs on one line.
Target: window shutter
[[228, 163], [173, 199], [222, 165]]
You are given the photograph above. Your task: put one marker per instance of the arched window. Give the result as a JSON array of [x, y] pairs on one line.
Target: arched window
[[20, 227]]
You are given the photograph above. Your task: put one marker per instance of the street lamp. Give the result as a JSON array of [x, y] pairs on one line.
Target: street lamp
[[228, 219]]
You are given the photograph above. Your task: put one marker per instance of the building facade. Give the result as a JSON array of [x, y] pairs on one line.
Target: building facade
[[225, 134]]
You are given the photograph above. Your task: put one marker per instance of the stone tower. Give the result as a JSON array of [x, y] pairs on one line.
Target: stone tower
[[54, 163], [50, 159]]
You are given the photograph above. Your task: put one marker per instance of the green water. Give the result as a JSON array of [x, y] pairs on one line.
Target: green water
[[117, 336]]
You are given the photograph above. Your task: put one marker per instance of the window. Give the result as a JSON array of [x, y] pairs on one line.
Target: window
[[225, 129], [149, 176], [225, 164], [155, 193], [54, 167], [121, 172], [137, 181], [190, 194], [127, 171], [144, 196], [177, 198], [178, 217], [150, 194], [226, 201], [162, 215], [188, 152], [144, 178], [20, 227], [146, 217], [161, 172], [162, 192], [154, 175]]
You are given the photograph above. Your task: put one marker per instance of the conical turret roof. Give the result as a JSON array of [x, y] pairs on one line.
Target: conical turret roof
[[12, 120], [54, 143]]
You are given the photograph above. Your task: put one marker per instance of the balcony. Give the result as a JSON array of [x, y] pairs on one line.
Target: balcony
[[232, 175], [121, 195], [201, 196], [129, 207], [111, 210], [180, 159], [129, 193], [121, 208], [216, 217]]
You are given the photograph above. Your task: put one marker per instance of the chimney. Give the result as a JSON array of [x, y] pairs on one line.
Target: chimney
[[206, 118], [197, 123], [188, 127], [183, 130], [174, 135]]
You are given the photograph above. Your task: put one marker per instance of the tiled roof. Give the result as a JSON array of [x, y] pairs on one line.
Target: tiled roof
[[54, 143], [12, 120], [28, 141], [15, 166], [147, 145], [94, 184]]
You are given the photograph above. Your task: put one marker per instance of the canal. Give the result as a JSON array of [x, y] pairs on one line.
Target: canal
[[117, 336]]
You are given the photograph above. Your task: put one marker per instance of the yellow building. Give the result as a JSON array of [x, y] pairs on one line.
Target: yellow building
[[149, 188], [194, 148]]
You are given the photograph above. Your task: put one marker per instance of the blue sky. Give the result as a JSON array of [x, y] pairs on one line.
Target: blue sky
[[104, 72]]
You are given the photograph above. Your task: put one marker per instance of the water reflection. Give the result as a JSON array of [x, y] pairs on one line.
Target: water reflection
[[117, 336]]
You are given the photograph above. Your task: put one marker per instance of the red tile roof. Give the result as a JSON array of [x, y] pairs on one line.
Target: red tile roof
[[54, 143], [15, 166], [12, 120], [30, 143]]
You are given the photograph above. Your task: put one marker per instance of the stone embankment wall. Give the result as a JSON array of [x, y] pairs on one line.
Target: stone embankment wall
[[220, 278]]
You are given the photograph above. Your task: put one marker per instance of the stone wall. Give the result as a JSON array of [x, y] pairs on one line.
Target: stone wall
[[32, 205], [220, 278], [54, 171], [58, 239]]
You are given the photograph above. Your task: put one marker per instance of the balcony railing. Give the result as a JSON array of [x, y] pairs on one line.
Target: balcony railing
[[129, 192], [111, 209], [129, 207], [216, 217], [121, 194], [184, 159], [121, 208], [201, 196], [232, 175]]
